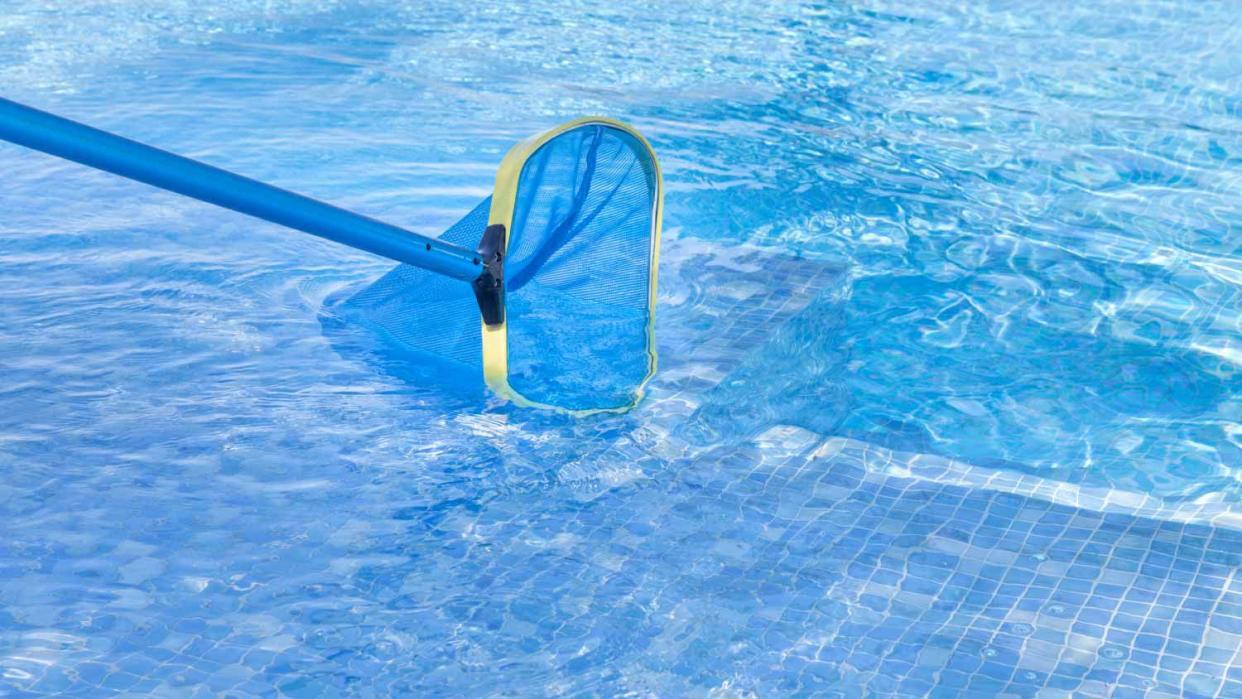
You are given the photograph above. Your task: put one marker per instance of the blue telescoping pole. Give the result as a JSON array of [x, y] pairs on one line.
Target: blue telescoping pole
[[99, 149]]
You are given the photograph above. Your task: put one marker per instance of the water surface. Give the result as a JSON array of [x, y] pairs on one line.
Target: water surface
[[949, 325]]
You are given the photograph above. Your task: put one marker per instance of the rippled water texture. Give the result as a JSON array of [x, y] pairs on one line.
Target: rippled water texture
[[949, 322]]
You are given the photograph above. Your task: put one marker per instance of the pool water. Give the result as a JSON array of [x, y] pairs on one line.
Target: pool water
[[950, 324]]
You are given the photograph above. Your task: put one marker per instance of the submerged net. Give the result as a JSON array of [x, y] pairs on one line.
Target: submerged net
[[422, 312], [578, 278]]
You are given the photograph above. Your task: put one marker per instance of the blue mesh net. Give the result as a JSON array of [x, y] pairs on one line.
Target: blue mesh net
[[577, 269], [423, 312]]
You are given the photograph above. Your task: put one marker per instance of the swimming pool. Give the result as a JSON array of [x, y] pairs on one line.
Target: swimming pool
[[949, 334]]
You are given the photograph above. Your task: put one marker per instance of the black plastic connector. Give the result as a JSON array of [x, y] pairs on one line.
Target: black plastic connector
[[489, 286]]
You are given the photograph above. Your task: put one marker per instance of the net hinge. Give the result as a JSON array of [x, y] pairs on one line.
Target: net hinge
[[489, 286]]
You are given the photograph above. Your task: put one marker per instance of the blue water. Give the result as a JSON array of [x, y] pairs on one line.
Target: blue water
[[950, 326]]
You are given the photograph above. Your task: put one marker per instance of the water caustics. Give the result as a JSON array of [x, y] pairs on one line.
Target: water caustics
[[948, 325]]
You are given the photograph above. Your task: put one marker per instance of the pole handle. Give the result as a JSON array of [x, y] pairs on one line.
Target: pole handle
[[83, 144]]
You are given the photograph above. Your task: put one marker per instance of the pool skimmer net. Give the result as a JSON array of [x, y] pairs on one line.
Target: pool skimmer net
[[548, 285]]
